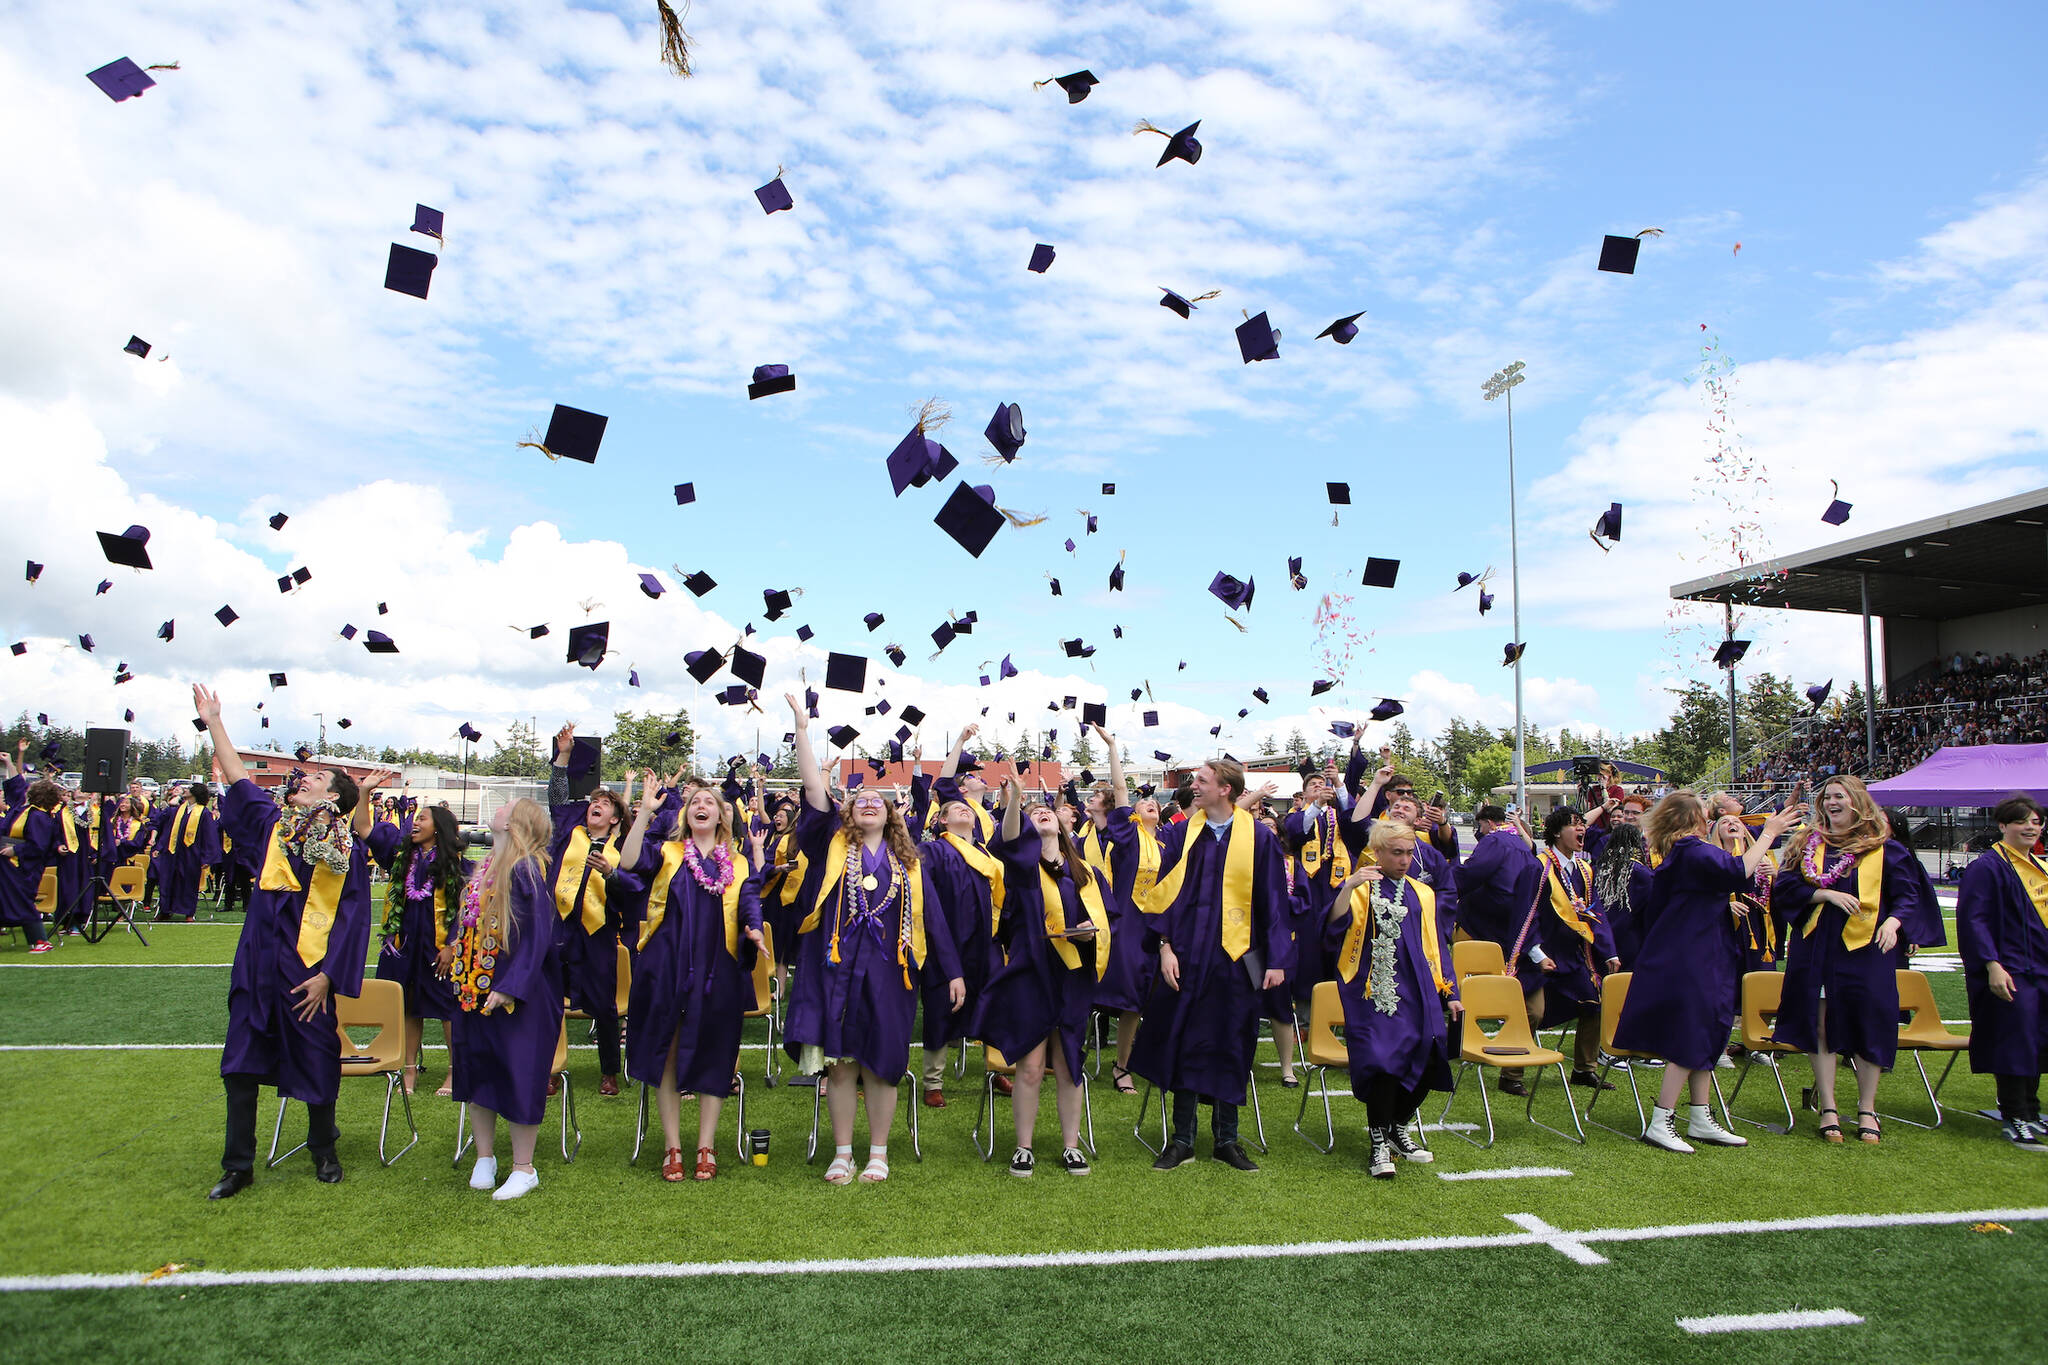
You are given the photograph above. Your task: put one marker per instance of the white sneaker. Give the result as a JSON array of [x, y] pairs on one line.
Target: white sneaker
[[485, 1176], [517, 1184], [1701, 1126], [1407, 1148], [1660, 1133], [1382, 1163]]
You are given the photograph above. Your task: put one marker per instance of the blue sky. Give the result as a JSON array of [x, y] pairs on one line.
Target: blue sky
[[1450, 168]]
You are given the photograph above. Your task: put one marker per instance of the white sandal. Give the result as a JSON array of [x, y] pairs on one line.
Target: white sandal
[[876, 1172], [840, 1172]]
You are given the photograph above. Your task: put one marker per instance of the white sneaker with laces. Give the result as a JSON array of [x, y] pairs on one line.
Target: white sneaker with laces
[[516, 1184], [1382, 1163], [1660, 1133], [1701, 1127], [1407, 1148], [485, 1176]]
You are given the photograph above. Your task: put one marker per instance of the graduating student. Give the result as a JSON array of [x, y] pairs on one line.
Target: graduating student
[[1855, 900], [968, 881], [1390, 953], [1687, 975], [583, 853], [1498, 883], [303, 942], [1621, 888], [1127, 850], [508, 981], [422, 904], [1320, 854], [693, 975], [1429, 865], [77, 827], [31, 827], [188, 842], [2002, 930], [954, 785], [1219, 915], [1277, 1006], [872, 917], [1056, 937], [1562, 948]]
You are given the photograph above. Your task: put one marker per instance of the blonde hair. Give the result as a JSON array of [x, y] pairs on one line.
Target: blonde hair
[[527, 830], [1671, 819], [1384, 832], [1869, 828], [722, 833]]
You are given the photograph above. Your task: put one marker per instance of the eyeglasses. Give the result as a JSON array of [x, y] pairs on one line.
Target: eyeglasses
[[869, 803]]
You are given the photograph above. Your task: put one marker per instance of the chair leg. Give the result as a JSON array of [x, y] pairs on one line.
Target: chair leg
[[985, 1113], [1251, 1086], [817, 1103], [639, 1127], [1933, 1090], [1088, 1112], [915, 1103], [277, 1134], [1727, 1120], [462, 1137], [739, 1131], [1138, 1127], [1450, 1099], [1607, 1065], [569, 1119], [1329, 1120]]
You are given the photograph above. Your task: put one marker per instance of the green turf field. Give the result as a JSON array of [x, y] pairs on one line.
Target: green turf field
[[112, 1147]]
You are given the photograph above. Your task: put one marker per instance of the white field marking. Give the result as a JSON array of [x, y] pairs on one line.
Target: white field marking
[[1505, 1173], [691, 1270], [1558, 1240], [1450, 1127], [1770, 1322]]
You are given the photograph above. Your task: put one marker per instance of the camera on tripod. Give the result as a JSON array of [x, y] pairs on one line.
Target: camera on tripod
[[1586, 773]]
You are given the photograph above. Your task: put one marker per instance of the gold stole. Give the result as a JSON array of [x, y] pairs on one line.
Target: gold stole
[[574, 857], [70, 828], [672, 855], [983, 821], [792, 880], [185, 825], [1313, 853], [1561, 901], [14, 831], [1095, 852], [1858, 929], [1656, 860], [316, 920], [1237, 884], [1090, 892], [991, 870], [1147, 875], [2033, 877], [835, 872], [1353, 951]]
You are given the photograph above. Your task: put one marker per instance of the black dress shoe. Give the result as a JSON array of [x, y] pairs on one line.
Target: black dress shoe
[[231, 1184], [1232, 1155], [1174, 1154], [327, 1168], [1591, 1080], [1512, 1085]]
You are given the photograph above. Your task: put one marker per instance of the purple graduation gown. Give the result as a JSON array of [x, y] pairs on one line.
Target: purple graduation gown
[[1575, 985], [1312, 963], [1687, 974], [1996, 922], [965, 897], [1035, 992], [782, 900], [1203, 1036], [184, 864], [1412, 1043], [1129, 973], [412, 959], [688, 992], [265, 1037], [74, 868], [21, 876], [502, 1060], [1495, 887], [859, 1007], [1624, 915], [589, 962], [1861, 987]]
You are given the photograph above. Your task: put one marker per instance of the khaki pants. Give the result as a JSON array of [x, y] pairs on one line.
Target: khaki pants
[[935, 1067], [1585, 1037]]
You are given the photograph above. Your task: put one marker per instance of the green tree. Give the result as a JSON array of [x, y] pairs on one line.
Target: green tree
[[1297, 746], [1083, 753], [1696, 735], [1767, 707], [638, 741], [1268, 746], [1455, 747], [518, 753], [1487, 768]]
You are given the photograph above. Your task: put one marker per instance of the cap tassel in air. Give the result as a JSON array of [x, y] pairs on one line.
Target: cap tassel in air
[[675, 44]]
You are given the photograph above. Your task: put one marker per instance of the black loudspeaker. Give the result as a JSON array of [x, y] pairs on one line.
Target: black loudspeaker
[[106, 762]]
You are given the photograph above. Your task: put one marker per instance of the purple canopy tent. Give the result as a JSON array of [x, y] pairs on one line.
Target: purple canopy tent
[[1969, 776]]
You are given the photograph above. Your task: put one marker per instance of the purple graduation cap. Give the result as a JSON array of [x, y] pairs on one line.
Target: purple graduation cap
[[1320, 686], [1838, 511], [1257, 339], [85, 643], [770, 379], [774, 196], [377, 642], [1343, 329], [1094, 713], [128, 718], [1465, 580], [1343, 729], [1151, 718], [1607, 529], [1730, 653], [1294, 573], [1485, 601], [804, 633], [344, 722], [427, 222], [277, 521], [651, 585], [227, 616], [583, 769], [1818, 694], [749, 667], [1008, 669], [586, 644], [20, 647], [970, 517], [1180, 146], [842, 736], [1175, 303], [410, 270], [918, 459], [943, 635], [1380, 573], [1077, 85], [1231, 592], [774, 602], [35, 571], [735, 694], [703, 664], [1260, 693], [1005, 430], [168, 631], [686, 493], [1041, 258], [1511, 654], [846, 672], [1116, 577], [632, 677], [101, 590], [1056, 588], [137, 347], [474, 735], [574, 434], [895, 653], [348, 632], [1387, 709], [1109, 490], [121, 79], [130, 549], [873, 619], [1340, 494], [1618, 254]]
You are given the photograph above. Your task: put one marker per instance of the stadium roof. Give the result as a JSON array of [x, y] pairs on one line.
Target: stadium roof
[[1964, 563]]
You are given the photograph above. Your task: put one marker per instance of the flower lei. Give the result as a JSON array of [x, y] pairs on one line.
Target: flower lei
[[1813, 855], [476, 953], [713, 873]]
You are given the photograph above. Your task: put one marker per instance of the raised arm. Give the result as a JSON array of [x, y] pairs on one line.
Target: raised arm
[[1774, 827], [1013, 813], [806, 760], [207, 704], [952, 763], [1361, 809], [636, 837], [364, 814], [1121, 795]]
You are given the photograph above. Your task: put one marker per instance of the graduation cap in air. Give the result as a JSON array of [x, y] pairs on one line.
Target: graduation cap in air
[[1180, 146], [770, 379], [348, 632], [410, 270], [1076, 649], [1340, 494], [1137, 692], [1260, 693], [277, 521], [774, 602], [1094, 713], [686, 493], [872, 620], [846, 672], [1380, 573], [1730, 653], [35, 571], [585, 753], [128, 718], [168, 631], [700, 583], [1485, 601], [1005, 430], [651, 585], [1294, 574], [377, 642], [85, 643], [1151, 718], [1231, 592], [1041, 258], [1055, 586], [344, 722], [1215, 730], [572, 434], [1512, 654], [1320, 686], [1116, 577], [1070, 545], [1257, 339], [1007, 669], [895, 653], [20, 647], [587, 642], [734, 695], [774, 196], [1387, 709], [918, 459], [1607, 529], [1077, 85], [121, 79], [137, 347], [842, 736], [129, 549], [1343, 329], [632, 677], [1818, 693], [1466, 580], [101, 590], [470, 733], [971, 517], [303, 753], [1343, 729], [1838, 511], [804, 633], [227, 616], [427, 222], [703, 664], [1618, 254], [749, 667]]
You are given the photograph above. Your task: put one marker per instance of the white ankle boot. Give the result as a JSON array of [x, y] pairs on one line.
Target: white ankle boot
[[1660, 1133], [1701, 1127]]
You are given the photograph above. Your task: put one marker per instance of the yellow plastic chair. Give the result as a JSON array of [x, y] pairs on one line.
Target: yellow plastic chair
[[1613, 995], [1322, 1051], [1762, 995], [1923, 1032], [560, 1071], [1499, 998], [381, 1006], [1477, 957], [995, 1064], [46, 892]]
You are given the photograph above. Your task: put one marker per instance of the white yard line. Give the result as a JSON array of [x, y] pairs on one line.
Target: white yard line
[[1536, 1233], [1504, 1173], [1770, 1322]]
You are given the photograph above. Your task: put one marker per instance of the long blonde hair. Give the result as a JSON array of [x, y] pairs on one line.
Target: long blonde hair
[[1869, 828], [722, 833], [527, 829], [1671, 819]]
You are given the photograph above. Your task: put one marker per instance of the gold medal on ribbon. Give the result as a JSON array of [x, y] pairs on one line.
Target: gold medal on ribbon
[[868, 883]]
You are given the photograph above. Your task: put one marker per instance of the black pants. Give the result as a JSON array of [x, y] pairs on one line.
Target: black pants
[[235, 889], [1390, 1104], [240, 1153], [607, 1025], [1222, 1119], [2019, 1097]]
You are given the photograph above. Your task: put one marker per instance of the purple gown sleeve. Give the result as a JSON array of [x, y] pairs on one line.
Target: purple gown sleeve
[[1792, 894], [1269, 900], [521, 972], [1911, 893], [1977, 912], [938, 931], [348, 940], [1354, 773], [920, 802], [1478, 869], [384, 841], [246, 815]]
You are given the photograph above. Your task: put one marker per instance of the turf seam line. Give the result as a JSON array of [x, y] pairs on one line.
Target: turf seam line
[[674, 1270]]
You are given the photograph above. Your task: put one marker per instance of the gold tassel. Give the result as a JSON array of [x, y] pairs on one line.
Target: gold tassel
[[535, 445], [675, 44], [162, 66], [1649, 232], [1235, 622], [1020, 519], [1147, 126], [1204, 298], [1594, 535], [1040, 85], [932, 414]]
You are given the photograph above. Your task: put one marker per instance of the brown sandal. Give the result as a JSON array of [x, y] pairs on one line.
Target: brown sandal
[[707, 1163], [1831, 1132], [672, 1164]]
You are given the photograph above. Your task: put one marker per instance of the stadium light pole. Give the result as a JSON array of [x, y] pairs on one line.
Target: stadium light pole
[[1502, 385]]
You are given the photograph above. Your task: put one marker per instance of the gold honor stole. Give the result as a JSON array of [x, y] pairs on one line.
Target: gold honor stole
[[672, 854], [1561, 901], [1313, 852], [835, 872], [185, 825], [991, 870], [70, 827], [1237, 884], [1147, 875], [1353, 951], [14, 831], [1095, 852], [575, 856], [2033, 877], [1858, 929], [1090, 892], [316, 919], [792, 880]]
